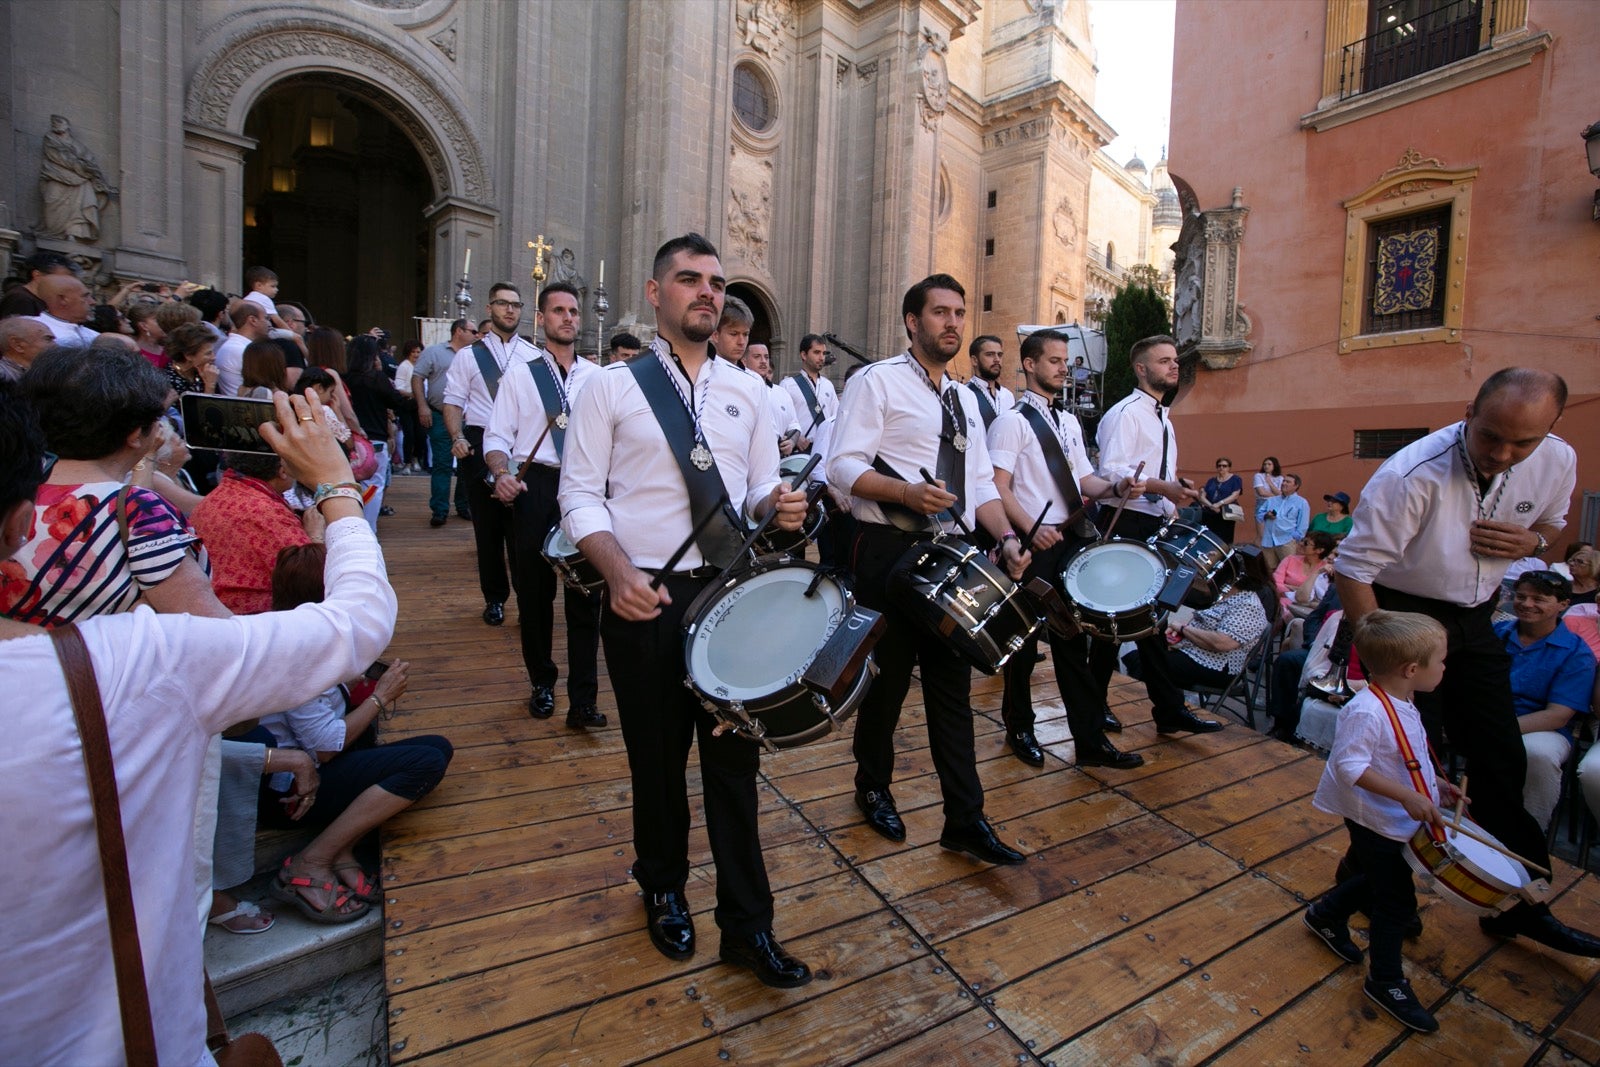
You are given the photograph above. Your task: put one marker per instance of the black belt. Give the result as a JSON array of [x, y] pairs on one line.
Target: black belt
[[706, 571]]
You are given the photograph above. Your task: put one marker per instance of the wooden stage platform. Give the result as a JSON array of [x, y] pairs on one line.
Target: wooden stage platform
[[1157, 919]]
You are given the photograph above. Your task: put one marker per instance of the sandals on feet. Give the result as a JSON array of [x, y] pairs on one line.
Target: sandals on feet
[[342, 906], [362, 886], [247, 911]]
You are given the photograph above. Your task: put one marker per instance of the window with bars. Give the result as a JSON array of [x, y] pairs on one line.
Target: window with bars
[[1406, 260], [752, 98], [1381, 444]]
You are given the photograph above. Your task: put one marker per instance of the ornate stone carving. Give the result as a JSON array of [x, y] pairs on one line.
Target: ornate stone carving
[[763, 24], [749, 218], [564, 268], [935, 93], [1066, 223], [868, 70], [72, 188], [445, 41], [1209, 321], [840, 69], [441, 130], [1411, 159]]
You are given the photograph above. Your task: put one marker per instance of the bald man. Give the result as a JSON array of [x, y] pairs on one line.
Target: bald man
[[21, 339], [66, 302]]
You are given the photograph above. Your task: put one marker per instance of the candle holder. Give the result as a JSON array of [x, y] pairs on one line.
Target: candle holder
[[601, 306], [463, 296]]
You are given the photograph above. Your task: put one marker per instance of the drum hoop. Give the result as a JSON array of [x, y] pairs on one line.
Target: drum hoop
[[699, 631]]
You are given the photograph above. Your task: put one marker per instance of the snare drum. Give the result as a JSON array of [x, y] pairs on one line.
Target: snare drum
[[956, 593], [1112, 589], [1219, 569], [749, 642], [1468, 872], [793, 542], [570, 563]]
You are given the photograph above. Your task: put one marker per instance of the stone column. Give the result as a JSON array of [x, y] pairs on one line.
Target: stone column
[[455, 225], [213, 187], [151, 118]]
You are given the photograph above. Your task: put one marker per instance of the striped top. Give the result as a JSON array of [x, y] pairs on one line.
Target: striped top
[[73, 565]]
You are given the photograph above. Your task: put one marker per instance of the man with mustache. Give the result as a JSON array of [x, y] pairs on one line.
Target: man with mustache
[[1435, 531], [905, 414], [626, 503]]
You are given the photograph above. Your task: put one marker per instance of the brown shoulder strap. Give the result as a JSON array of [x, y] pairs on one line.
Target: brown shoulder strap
[[138, 1033]]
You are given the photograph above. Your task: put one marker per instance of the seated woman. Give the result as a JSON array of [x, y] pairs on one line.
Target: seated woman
[[1303, 579], [1336, 518], [1211, 647], [362, 783], [245, 522], [1585, 567]]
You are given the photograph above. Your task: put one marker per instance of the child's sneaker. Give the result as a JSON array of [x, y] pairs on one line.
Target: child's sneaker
[[1397, 999], [1335, 935]]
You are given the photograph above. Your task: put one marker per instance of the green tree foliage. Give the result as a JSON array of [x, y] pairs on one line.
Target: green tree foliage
[[1136, 311]]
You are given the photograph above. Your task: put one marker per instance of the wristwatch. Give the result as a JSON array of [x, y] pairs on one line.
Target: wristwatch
[[1544, 544]]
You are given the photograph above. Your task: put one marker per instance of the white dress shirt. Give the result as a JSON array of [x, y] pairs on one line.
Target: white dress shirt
[[780, 407], [464, 385], [67, 333], [827, 398], [230, 364], [1365, 739], [1015, 448], [1413, 522], [518, 418], [168, 683], [1131, 432], [619, 474], [890, 412], [1003, 400]]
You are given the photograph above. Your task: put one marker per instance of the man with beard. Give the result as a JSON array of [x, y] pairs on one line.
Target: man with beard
[[993, 400], [1137, 430], [1435, 531], [627, 502], [904, 415], [1028, 483], [784, 420], [813, 395], [523, 448], [469, 393]]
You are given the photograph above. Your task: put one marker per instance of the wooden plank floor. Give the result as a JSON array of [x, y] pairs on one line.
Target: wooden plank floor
[[1157, 919]]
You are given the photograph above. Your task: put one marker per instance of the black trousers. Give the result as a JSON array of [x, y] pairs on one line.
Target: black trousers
[[491, 523], [1083, 666], [1473, 710], [1166, 697], [946, 687], [1382, 887], [534, 514], [660, 719]]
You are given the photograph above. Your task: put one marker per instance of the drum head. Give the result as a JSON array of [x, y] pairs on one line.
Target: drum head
[[760, 634], [1114, 577], [557, 543], [1486, 860], [789, 467]]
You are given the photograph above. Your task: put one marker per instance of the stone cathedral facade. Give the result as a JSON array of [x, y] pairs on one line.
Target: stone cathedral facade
[[835, 150]]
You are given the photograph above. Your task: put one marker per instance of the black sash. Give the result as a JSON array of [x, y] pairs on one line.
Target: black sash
[[719, 542], [952, 469], [1060, 468], [985, 405], [810, 396], [488, 367], [550, 394]]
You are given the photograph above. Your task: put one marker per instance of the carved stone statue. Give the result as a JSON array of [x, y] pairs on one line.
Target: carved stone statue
[[935, 95], [565, 269], [72, 186]]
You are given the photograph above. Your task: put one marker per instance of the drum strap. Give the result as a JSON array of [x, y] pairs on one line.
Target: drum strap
[[719, 542], [1055, 458], [554, 400], [899, 516], [1413, 766], [810, 395], [985, 405], [487, 367]]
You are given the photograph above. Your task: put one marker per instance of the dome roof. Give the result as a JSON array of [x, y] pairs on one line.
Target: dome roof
[[1168, 212], [1136, 164]]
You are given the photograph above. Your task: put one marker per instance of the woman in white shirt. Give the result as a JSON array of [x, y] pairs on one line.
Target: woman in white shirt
[[1269, 479]]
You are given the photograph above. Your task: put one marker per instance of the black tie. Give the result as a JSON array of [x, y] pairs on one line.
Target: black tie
[[952, 469], [1162, 417]]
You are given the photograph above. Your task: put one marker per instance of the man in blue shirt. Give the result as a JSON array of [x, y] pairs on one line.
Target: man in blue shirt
[[1552, 679], [1283, 520]]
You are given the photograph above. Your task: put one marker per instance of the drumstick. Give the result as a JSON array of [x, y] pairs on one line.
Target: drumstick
[[761, 528], [1461, 803], [527, 464], [1121, 503], [961, 524], [1468, 831], [677, 557], [1028, 541]]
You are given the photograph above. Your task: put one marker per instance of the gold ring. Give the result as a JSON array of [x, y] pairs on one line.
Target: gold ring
[[308, 418]]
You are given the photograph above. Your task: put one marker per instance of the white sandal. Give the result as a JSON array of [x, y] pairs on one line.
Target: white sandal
[[244, 910]]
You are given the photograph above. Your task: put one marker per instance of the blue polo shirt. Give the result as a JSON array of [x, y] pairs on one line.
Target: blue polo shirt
[[1558, 669]]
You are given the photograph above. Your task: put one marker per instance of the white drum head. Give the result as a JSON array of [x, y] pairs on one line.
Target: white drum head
[[1115, 577], [790, 466], [761, 635], [1487, 861], [559, 544]]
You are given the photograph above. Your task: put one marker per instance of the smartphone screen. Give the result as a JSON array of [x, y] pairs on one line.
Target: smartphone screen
[[375, 671], [225, 423]]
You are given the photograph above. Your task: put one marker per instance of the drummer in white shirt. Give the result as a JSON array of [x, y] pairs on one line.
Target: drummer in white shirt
[[1435, 531], [902, 415], [988, 356], [758, 357], [626, 505], [522, 449]]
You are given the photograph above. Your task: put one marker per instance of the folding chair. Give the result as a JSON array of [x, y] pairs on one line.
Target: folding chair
[[1256, 658]]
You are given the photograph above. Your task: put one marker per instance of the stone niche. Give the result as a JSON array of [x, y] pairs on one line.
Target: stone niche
[[1208, 319]]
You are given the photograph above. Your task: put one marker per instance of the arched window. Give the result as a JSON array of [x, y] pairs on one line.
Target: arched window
[[1111, 255]]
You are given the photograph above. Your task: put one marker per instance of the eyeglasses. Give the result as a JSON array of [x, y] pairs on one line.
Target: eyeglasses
[[1224, 466], [515, 305], [1553, 582]]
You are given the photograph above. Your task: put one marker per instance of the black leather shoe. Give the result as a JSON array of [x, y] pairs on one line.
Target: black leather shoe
[[542, 704], [878, 807], [464, 513], [1335, 935], [386, 510], [1025, 747], [1110, 723], [438, 521], [1536, 923], [979, 842], [1185, 721], [670, 924], [763, 955], [1105, 754], [494, 613], [585, 717]]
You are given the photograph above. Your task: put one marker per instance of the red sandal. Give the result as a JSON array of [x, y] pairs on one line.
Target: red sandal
[[343, 906], [365, 888]]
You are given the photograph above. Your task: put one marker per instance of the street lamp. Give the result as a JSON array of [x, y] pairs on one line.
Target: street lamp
[[1591, 143]]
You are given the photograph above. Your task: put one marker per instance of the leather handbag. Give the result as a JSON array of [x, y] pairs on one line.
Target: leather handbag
[[133, 996]]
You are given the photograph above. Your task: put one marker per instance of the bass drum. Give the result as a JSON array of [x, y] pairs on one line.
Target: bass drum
[[1219, 569], [1112, 589], [749, 642], [959, 596]]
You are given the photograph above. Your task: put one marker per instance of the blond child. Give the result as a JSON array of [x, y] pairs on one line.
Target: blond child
[[1380, 778]]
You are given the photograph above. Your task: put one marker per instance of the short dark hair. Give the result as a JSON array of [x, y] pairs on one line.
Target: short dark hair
[[560, 287], [693, 243], [461, 324], [484, 324], [361, 357], [22, 449], [89, 402], [312, 377], [260, 465], [1555, 583], [104, 318], [186, 340], [1298, 481], [297, 576], [262, 363], [625, 340], [1323, 541], [254, 276], [916, 297], [1145, 344], [981, 340], [1528, 380], [46, 262], [812, 339], [497, 286], [1033, 344], [210, 302], [408, 346]]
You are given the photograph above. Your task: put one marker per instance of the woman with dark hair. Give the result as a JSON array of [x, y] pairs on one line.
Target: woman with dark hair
[[191, 359], [264, 371], [105, 318], [1213, 644], [325, 348], [1221, 491], [147, 332], [363, 783], [1269, 479], [412, 447], [1336, 520], [373, 396], [1302, 580]]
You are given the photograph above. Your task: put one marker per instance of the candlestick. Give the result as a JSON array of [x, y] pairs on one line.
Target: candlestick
[[602, 273], [466, 267]]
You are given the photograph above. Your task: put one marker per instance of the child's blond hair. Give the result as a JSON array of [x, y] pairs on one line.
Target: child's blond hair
[[1387, 641]]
